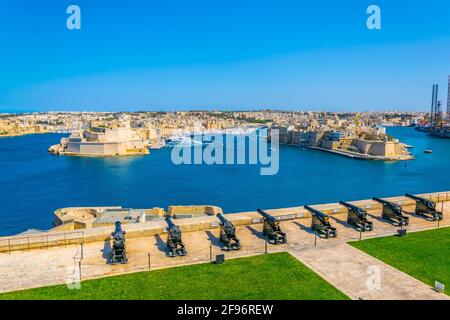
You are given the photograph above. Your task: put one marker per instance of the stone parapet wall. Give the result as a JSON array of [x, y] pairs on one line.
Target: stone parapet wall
[[194, 210], [71, 215]]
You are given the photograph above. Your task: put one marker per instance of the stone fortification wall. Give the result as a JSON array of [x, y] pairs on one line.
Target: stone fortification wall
[[193, 210]]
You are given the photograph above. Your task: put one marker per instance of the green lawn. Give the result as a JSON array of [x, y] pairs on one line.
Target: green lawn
[[424, 255], [271, 276]]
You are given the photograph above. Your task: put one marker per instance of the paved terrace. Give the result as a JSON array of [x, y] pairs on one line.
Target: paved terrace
[[340, 264]]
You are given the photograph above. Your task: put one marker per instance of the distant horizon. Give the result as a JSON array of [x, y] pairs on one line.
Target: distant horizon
[[16, 112]]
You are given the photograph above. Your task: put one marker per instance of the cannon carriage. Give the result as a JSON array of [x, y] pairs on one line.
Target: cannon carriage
[[118, 247], [321, 223], [228, 234], [271, 229], [357, 217], [426, 208], [175, 245], [392, 212]]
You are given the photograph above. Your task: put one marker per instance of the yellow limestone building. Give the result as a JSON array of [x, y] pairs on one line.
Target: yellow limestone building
[[102, 141]]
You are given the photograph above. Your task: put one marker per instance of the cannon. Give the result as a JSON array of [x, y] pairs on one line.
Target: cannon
[[321, 223], [228, 234], [271, 229], [357, 217], [426, 208], [118, 247], [392, 212], [175, 245]]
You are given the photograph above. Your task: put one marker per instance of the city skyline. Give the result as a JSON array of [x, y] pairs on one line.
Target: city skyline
[[233, 56]]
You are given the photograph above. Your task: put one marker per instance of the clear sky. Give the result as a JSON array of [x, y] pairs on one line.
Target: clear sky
[[222, 54]]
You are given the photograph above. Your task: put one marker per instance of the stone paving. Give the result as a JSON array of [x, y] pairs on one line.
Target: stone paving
[[58, 265], [361, 276]]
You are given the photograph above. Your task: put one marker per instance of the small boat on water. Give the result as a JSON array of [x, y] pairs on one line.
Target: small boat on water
[[428, 151], [185, 142]]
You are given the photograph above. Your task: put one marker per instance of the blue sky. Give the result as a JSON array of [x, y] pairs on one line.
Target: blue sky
[[232, 55]]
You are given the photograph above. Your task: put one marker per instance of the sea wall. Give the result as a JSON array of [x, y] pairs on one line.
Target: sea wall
[[390, 149]]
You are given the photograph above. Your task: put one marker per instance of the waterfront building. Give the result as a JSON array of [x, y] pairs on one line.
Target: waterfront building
[[282, 134], [7, 128], [369, 144], [295, 137], [14, 127], [311, 138]]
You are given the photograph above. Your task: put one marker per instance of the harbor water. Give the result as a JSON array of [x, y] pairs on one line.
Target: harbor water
[[33, 183]]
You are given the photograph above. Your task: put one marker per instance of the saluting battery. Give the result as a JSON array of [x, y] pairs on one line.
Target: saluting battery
[[228, 234], [271, 229], [426, 208], [321, 223], [392, 212], [175, 245], [118, 248], [357, 217]]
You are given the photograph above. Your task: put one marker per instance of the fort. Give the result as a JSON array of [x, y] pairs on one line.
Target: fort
[[101, 142]]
